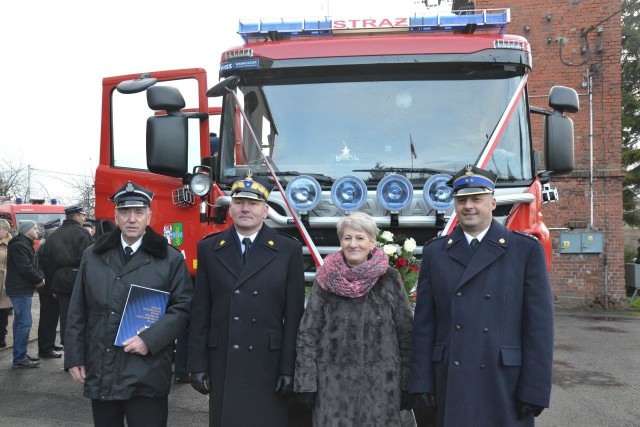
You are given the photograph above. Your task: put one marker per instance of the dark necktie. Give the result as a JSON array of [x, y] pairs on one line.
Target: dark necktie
[[246, 242], [128, 253], [474, 244]]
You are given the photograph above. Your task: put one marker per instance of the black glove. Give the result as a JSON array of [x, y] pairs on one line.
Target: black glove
[[200, 381], [307, 399], [406, 401], [284, 385], [527, 409], [423, 401]]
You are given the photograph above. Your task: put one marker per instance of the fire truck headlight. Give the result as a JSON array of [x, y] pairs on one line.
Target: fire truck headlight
[[349, 193], [394, 192], [303, 193], [200, 184], [437, 194]]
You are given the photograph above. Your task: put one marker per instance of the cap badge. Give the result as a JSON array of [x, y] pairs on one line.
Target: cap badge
[[129, 188], [469, 169]]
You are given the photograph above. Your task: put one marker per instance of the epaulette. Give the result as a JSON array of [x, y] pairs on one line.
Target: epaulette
[[531, 236], [436, 238], [211, 235], [287, 235]]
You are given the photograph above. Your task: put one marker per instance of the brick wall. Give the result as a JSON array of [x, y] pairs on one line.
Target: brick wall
[[591, 196]]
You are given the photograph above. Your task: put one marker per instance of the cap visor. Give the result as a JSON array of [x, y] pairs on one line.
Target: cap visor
[[471, 191], [131, 204], [247, 195]]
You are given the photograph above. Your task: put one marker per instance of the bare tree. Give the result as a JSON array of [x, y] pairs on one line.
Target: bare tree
[[86, 190], [13, 178]]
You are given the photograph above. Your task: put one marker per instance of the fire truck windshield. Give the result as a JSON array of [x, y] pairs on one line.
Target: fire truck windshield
[[367, 128], [39, 217]]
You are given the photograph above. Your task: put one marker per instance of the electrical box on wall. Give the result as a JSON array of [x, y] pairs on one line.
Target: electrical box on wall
[[581, 243]]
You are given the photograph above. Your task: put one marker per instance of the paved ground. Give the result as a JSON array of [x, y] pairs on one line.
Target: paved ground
[[596, 381]]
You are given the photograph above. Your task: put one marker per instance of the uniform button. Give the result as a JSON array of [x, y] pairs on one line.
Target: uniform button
[[236, 292], [253, 320], [483, 366], [255, 292], [458, 327], [236, 318], [250, 348], [488, 296], [459, 294], [113, 312], [485, 330], [455, 362], [236, 346], [108, 350]]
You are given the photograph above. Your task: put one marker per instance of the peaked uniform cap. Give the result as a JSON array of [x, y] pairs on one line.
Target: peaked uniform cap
[[74, 209], [131, 195], [473, 180], [54, 223], [249, 189]]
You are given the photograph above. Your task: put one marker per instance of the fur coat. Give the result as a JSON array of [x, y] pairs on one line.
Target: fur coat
[[355, 353], [5, 302]]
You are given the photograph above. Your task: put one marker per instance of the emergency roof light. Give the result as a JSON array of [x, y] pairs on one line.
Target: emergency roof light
[[492, 20]]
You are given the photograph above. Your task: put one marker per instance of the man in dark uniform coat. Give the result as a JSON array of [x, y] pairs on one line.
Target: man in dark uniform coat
[[248, 302], [49, 308], [483, 328], [60, 261]]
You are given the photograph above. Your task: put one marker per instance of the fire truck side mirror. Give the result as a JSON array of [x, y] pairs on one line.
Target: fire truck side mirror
[[558, 130], [167, 135], [564, 99], [558, 143]]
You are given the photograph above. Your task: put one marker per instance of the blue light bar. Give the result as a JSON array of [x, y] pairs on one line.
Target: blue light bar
[[494, 20]]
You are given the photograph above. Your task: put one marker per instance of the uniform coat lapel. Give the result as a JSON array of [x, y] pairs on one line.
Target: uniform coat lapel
[[228, 252], [491, 248], [263, 251]]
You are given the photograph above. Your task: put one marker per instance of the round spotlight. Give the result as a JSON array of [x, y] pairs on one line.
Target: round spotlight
[[437, 193], [349, 193], [395, 192], [200, 184], [303, 193]]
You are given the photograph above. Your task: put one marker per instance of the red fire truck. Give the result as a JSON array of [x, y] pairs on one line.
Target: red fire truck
[[36, 210], [372, 115]]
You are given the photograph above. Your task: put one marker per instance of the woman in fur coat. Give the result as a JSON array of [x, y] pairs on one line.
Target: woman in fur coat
[[354, 341]]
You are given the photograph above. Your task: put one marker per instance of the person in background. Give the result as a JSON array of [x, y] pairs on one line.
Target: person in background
[[483, 330], [132, 381], [5, 302], [214, 143], [23, 277], [354, 341], [49, 307], [90, 227], [249, 298], [60, 260]]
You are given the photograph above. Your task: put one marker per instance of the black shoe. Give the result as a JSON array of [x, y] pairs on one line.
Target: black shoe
[[182, 380], [58, 347], [33, 358], [51, 354], [27, 364]]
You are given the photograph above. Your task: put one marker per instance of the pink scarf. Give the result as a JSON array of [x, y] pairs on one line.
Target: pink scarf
[[337, 277]]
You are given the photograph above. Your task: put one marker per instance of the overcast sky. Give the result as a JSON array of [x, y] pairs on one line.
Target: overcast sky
[[55, 54]]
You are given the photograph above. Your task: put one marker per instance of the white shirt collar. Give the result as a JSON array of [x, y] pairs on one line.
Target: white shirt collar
[[135, 246], [252, 237], [479, 236]]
